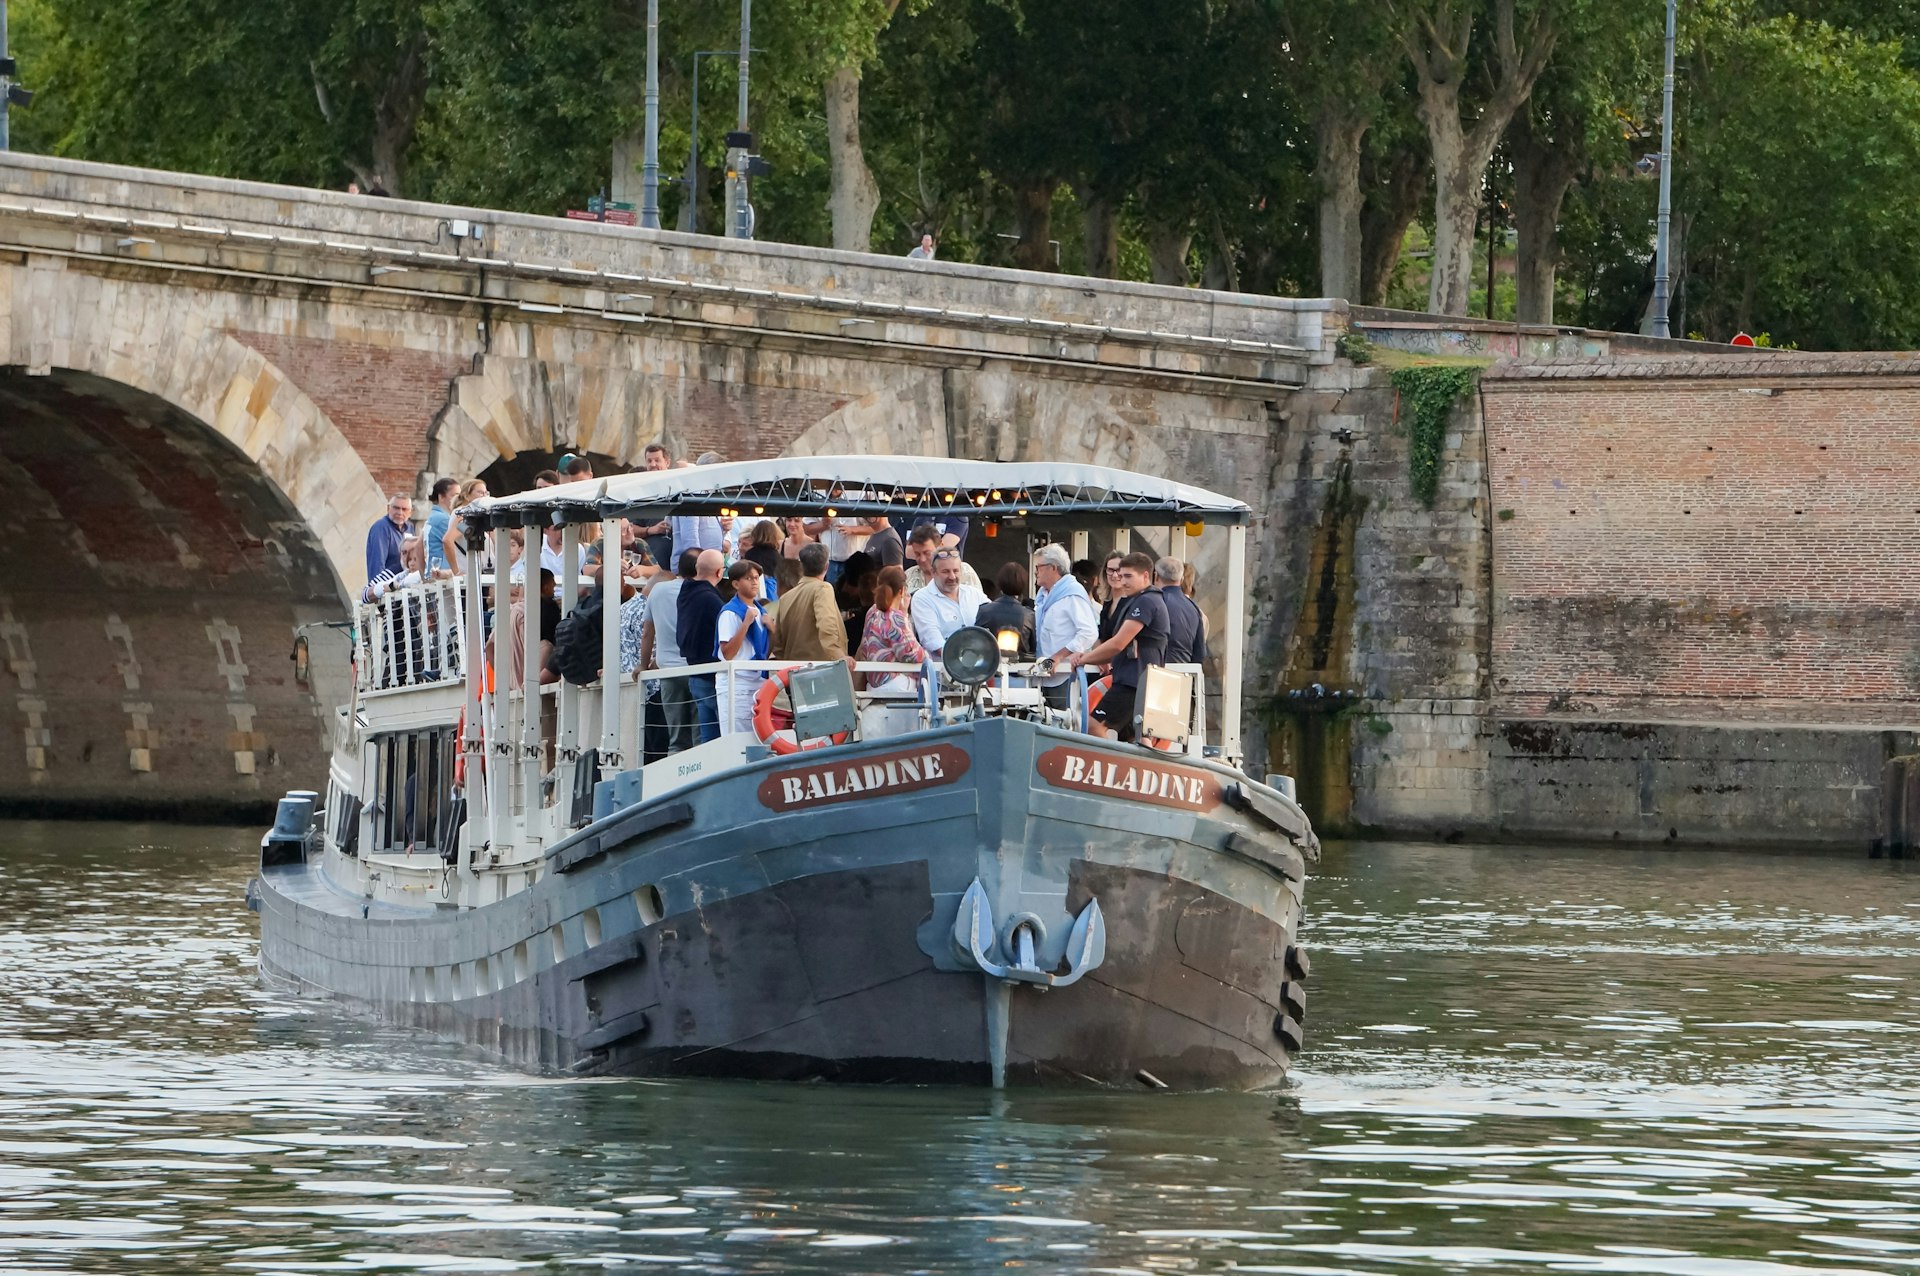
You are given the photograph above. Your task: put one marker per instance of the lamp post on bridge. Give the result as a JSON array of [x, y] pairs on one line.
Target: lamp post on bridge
[[692, 181], [740, 141], [650, 156], [1662, 271]]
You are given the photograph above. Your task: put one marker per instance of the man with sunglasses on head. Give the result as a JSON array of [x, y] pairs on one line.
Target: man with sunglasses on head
[[922, 544], [948, 605]]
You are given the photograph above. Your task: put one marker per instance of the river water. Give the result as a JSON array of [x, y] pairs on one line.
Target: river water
[[1520, 1060]]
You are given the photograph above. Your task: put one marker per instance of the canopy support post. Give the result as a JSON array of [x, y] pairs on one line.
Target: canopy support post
[[566, 752], [532, 750], [610, 672], [1230, 673], [473, 741], [500, 677]]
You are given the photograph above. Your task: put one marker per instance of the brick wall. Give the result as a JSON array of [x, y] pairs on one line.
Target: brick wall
[[1733, 542], [382, 397]]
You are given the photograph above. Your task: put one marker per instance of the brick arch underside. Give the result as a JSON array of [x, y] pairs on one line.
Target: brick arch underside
[[149, 596]]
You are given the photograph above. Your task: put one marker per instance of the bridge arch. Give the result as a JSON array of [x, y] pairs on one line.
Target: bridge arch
[[176, 509], [159, 342]]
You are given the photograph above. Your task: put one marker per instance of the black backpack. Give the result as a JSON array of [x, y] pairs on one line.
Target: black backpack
[[576, 642]]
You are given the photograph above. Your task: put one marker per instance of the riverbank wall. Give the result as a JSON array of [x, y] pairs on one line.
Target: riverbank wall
[[1663, 593]]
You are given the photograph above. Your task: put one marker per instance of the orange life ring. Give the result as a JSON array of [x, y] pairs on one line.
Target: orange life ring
[[1097, 691], [763, 723]]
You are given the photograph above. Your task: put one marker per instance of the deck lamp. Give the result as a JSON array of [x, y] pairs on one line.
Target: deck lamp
[[823, 700], [971, 656]]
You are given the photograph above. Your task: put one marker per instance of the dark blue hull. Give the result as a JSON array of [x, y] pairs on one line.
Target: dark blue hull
[[797, 920]]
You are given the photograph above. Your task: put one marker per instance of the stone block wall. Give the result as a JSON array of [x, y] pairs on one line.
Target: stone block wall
[[1379, 669]]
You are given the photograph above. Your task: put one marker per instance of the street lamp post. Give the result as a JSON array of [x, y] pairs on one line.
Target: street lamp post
[[1662, 269], [650, 158], [692, 181], [739, 213]]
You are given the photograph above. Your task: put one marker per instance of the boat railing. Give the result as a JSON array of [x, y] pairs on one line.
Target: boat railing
[[411, 637], [571, 720]]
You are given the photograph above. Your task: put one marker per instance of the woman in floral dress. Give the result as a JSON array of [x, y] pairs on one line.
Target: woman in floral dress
[[888, 636]]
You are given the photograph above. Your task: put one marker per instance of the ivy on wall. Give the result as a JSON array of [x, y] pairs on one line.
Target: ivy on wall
[[1428, 395]]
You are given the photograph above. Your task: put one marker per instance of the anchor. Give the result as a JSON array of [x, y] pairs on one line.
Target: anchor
[[973, 934]]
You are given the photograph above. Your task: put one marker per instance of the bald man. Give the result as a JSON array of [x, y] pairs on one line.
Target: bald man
[[697, 628]]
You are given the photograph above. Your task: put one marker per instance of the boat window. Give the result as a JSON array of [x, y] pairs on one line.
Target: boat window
[[413, 776]]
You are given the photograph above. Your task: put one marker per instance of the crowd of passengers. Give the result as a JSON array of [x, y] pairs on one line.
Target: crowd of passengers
[[700, 590]]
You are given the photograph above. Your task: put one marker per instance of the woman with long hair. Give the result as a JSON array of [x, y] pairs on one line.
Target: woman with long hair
[[763, 551], [888, 635], [454, 543], [1110, 600]]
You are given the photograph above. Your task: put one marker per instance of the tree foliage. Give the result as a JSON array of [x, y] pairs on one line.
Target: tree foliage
[[1264, 145]]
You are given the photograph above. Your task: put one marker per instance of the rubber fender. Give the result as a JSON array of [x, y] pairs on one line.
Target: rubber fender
[[1298, 967], [1293, 1000], [1287, 1028]]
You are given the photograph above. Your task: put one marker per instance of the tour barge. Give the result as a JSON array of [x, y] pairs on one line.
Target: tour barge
[[956, 886]]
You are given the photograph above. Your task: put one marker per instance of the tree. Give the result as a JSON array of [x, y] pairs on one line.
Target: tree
[[1808, 227], [853, 195], [1341, 56], [1488, 79], [305, 93]]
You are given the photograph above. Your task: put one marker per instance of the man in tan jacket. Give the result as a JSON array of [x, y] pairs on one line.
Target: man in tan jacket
[[806, 623]]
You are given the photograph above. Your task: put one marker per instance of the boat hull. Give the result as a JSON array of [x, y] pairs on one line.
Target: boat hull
[[787, 921]]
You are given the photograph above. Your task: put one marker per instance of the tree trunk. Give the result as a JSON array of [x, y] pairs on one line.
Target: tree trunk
[[1438, 49], [1337, 168], [1033, 219], [1396, 188], [1102, 242], [691, 184], [396, 117], [852, 194], [624, 185], [1543, 172], [1222, 272], [1167, 255], [1457, 174]]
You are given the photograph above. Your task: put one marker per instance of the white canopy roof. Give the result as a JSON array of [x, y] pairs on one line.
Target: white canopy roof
[[820, 486]]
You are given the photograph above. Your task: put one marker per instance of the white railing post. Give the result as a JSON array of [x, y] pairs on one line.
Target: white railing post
[[532, 751], [499, 753], [611, 578], [473, 737], [566, 752], [1236, 640]]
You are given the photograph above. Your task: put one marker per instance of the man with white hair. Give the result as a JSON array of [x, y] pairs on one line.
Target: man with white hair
[[384, 537], [1065, 619]]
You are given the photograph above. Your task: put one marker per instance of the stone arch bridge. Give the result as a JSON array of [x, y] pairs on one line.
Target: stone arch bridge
[[207, 386]]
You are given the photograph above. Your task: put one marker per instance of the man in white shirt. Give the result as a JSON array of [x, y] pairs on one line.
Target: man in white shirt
[[550, 557], [1064, 617], [946, 606]]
